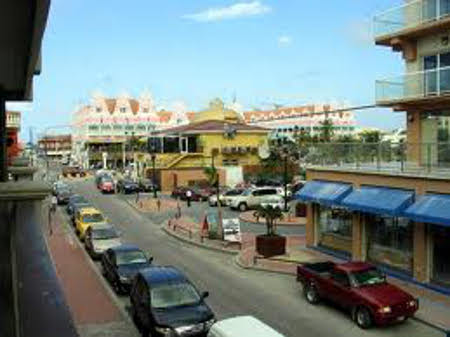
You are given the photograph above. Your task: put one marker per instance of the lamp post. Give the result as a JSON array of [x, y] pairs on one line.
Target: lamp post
[[153, 156], [214, 152]]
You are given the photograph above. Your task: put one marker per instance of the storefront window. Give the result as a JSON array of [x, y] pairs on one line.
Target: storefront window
[[335, 226], [441, 253], [390, 241]]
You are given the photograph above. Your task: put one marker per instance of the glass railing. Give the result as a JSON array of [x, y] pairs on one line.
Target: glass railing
[[422, 84], [418, 158], [410, 15]]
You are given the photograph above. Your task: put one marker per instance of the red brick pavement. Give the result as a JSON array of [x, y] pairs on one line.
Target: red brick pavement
[[86, 296]]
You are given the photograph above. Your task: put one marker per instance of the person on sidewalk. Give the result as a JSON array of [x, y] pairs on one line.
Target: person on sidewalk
[[51, 213], [188, 197]]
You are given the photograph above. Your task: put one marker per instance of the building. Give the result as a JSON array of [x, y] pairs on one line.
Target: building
[[13, 121], [390, 205], [111, 126], [217, 135], [56, 147], [286, 121]]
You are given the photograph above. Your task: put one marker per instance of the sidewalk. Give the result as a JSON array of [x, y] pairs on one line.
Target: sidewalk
[[92, 307]]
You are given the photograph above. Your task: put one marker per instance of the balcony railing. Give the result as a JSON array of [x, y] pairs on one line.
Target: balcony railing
[[417, 85], [396, 158], [409, 15]]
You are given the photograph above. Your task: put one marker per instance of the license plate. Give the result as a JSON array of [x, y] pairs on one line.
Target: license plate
[[401, 318]]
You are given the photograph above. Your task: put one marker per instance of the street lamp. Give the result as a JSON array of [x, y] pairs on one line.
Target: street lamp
[[215, 180]]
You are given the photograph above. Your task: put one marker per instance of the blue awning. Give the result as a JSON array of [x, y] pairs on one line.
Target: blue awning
[[430, 208], [379, 200], [323, 192]]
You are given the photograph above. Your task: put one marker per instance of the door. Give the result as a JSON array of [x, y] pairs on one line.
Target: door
[[340, 291], [183, 144], [143, 303], [444, 73]]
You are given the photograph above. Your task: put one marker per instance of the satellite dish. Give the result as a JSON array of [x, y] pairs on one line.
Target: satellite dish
[[263, 151]]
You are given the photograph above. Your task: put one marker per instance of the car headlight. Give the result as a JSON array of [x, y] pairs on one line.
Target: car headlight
[[167, 332], [412, 303], [385, 310]]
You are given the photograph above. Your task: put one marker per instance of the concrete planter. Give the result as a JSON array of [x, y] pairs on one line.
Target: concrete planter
[[269, 246]]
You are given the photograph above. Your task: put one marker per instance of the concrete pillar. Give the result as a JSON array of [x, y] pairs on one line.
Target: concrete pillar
[[359, 238], [421, 265], [310, 225], [3, 137]]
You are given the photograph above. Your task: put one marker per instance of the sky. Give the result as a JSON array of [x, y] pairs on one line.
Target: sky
[[289, 52]]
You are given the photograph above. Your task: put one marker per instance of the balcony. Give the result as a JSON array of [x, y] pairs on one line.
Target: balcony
[[411, 21], [424, 89], [403, 159]]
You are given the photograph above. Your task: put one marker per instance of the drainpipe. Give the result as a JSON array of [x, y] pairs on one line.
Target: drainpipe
[[3, 136]]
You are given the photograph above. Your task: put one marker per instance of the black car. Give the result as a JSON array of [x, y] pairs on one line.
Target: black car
[[127, 186], [75, 199], [165, 303], [63, 195], [146, 185], [120, 264]]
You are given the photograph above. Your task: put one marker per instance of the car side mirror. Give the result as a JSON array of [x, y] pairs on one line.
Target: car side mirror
[[150, 259], [205, 294]]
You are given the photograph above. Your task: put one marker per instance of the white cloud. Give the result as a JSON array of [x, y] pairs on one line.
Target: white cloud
[[284, 40], [238, 10]]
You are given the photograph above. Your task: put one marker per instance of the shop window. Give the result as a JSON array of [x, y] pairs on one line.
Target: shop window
[[335, 227], [440, 255], [390, 241], [172, 145]]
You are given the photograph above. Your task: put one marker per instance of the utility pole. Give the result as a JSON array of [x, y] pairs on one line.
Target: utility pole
[[216, 181]]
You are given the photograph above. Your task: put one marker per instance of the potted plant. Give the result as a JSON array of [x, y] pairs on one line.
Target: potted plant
[[270, 244]]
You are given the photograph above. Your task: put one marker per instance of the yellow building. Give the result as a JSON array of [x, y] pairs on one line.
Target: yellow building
[[217, 134]]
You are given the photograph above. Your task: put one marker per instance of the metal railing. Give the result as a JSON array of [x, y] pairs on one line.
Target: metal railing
[[409, 15], [415, 158], [421, 84]]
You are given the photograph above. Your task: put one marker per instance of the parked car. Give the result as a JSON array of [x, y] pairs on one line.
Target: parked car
[[146, 185], [165, 303], [100, 238], [276, 201], [73, 200], [252, 198], [79, 206], [62, 195], [99, 177], [58, 185], [225, 197], [87, 217], [281, 192], [358, 287], [120, 265], [178, 192], [200, 193], [242, 326], [73, 171], [127, 186], [107, 185]]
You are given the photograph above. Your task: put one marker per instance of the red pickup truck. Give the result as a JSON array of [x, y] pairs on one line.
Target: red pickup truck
[[358, 287]]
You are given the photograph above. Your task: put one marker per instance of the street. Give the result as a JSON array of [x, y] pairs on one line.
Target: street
[[276, 299]]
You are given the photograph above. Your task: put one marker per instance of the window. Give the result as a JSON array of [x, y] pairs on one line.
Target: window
[[92, 218], [335, 228], [390, 241], [174, 295], [340, 278], [145, 110], [117, 127], [130, 257], [129, 127], [98, 109], [123, 109]]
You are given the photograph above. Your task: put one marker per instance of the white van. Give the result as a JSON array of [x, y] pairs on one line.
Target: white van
[[241, 326]]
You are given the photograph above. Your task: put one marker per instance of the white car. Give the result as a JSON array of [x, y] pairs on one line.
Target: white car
[[225, 198], [100, 238], [252, 198], [242, 326], [276, 201]]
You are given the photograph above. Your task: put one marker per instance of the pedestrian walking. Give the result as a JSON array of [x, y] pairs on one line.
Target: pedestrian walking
[[137, 196], [51, 213], [188, 197]]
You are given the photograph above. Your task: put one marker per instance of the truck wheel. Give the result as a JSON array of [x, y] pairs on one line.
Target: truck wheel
[[363, 318], [311, 294], [243, 207]]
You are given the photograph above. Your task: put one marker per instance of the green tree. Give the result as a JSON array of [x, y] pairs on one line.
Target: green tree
[[270, 214], [211, 175], [326, 130], [370, 136]]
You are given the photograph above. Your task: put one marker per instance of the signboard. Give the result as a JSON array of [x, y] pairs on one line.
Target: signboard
[[231, 230]]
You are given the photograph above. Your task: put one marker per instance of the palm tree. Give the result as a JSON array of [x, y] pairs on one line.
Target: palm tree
[[211, 175], [271, 214]]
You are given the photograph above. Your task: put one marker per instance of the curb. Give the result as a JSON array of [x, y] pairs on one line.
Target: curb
[[198, 244], [243, 219], [104, 283]]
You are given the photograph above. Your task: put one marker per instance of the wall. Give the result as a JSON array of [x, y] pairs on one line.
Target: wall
[[184, 177]]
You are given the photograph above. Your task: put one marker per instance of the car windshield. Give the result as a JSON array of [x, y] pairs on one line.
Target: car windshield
[[234, 192], [130, 257], [368, 277], [94, 217], [104, 234], [246, 193], [174, 295]]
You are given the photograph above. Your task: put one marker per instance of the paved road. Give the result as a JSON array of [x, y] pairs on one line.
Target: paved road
[[276, 299], [198, 210]]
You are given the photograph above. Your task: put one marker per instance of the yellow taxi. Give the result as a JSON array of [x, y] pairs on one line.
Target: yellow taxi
[[87, 217]]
